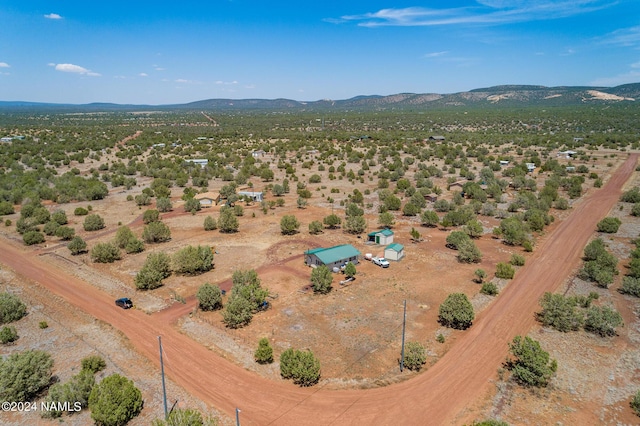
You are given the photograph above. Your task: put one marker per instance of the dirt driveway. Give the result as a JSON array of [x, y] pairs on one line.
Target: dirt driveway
[[444, 394]]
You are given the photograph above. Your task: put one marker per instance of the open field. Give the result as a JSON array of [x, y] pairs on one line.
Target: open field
[[355, 330]]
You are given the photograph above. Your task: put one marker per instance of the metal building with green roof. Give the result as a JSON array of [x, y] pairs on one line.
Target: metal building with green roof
[[382, 236], [394, 251], [332, 256]]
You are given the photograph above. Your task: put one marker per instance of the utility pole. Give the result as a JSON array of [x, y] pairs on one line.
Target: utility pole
[[237, 416], [164, 388], [404, 323]]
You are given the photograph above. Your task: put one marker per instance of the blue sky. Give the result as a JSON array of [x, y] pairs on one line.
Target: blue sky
[[146, 52]]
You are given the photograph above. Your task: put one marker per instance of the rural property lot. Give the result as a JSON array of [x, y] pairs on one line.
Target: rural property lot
[[445, 393]]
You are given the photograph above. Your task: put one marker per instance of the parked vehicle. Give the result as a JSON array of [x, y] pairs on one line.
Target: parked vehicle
[[124, 303], [380, 261]]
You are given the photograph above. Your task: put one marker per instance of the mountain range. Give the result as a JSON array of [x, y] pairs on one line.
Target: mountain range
[[497, 96]]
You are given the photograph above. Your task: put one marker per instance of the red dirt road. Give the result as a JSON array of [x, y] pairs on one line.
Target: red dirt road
[[440, 395]]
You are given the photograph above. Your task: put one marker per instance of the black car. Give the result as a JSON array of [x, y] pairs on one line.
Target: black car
[[124, 303]]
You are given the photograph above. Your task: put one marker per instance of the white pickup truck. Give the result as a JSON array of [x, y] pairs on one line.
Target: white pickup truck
[[380, 261]]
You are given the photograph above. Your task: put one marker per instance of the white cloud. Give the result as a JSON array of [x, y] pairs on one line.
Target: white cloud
[[635, 65], [182, 80], [623, 37], [435, 54], [617, 80], [4, 65], [250, 86], [485, 12], [143, 74], [54, 16], [226, 83], [76, 69]]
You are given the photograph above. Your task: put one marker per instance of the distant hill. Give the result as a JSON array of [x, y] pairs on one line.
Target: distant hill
[[506, 95]]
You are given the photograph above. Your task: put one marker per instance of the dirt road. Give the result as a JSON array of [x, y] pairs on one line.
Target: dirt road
[[440, 395]]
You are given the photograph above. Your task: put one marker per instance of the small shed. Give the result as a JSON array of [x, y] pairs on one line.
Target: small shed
[[394, 251], [437, 138], [382, 237], [202, 162], [531, 166], [256, 197], [208, 199], [332, 257]]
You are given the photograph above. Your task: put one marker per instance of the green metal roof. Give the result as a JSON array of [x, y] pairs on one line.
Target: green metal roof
[[334, 254], [386, 232], [395, 247]]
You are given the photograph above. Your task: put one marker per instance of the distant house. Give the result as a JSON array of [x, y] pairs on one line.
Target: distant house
[[458, 184], [431, 198], [394, 251], [571, 169], [332, 257], [6, 139], [567, 154], [382, 237], [208, 199], [258, 153], [504, 162], [255, 196], [436, 138], [530, 166], [158, 145], [202, 162]]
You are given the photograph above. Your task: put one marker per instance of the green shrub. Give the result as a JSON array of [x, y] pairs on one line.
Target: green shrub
[[631, 196], [209, 297], [156, 268], [77, 246], [156, 232], [315, 227], [456, 312], [635, 403], [264, 353], [517, 260], [114, 401], [415, 356], [560, 312], [210, 223], [192, 260], [43, 325], [489, 288], [150, 216], [93, 222], [105, 253], [23, 375], [93, 363], [530, 365], [11, 308], [65, 233], [631, 285], [8, 334], [80, 211], [603, 320], [321, 279], [609, 225], [301, 366], [505, 271], [33, 237], [60, 217], [75, 391]]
